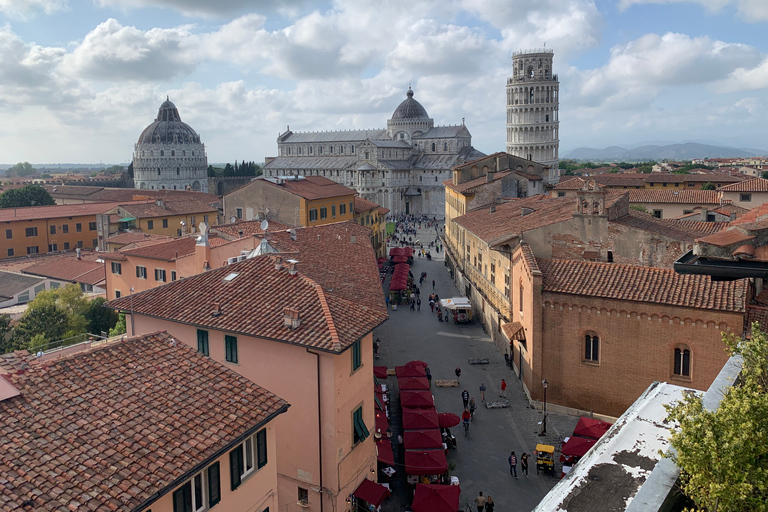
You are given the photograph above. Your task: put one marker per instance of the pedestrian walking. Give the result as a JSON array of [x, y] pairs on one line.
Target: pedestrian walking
[[489, 504], [413, 304], [482, 391], [472, 407], [386, 299], [524, 464], [418, 304], [429, 376], [513, 464], [433, 284], [503, 393], [457, 371], [465, 398], [440, 314], [480, 502], [432, 304]]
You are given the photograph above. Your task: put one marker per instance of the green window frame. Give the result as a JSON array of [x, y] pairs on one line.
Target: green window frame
[[202, 342], [359, 431], [230, 348], [357, 357]]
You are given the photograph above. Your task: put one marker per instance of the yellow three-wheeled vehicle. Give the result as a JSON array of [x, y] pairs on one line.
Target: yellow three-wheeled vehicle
[[545, 458]]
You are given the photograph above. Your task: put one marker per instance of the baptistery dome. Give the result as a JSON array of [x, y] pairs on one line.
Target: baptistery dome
[[410, 109], [169, 154]]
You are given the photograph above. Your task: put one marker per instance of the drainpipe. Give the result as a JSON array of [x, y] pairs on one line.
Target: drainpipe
[[319, 427]]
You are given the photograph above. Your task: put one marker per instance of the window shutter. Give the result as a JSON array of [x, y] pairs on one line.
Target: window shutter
[[214, 484], [182, 499], [138, 271], [261, 448], [236, 466]]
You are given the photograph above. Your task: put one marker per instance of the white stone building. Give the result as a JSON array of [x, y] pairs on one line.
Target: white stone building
[[401, 168], [169, 155], [533, 122]]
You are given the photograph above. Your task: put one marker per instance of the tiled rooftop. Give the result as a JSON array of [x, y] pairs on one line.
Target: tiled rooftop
[[168, 250], [753, 185], [363, 205], [136, 236], [314, 187], [109, 428], [88, 271], [675, 196], [180, 206], [54, 211], [642, 284], [249, 228], [475, 182]]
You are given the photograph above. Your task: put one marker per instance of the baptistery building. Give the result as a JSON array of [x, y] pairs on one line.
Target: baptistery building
[[170, 155], [401, 168]]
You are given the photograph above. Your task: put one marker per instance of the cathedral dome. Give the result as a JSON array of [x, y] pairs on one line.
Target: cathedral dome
[[410, 109], [168, 128]]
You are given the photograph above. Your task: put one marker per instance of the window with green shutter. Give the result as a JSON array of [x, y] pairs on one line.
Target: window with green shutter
[[214, 484], [357, 358], [261, 448], [202, 342], [230, 348], [360, 431]]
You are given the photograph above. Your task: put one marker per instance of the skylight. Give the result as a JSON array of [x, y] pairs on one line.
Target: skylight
[[231, 276]]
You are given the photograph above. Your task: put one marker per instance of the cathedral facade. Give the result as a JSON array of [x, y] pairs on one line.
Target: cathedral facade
[[401, 168], [170, 155]]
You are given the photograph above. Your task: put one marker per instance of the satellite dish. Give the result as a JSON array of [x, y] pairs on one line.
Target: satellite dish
[[203, 228], [232, 219], [264, 225]]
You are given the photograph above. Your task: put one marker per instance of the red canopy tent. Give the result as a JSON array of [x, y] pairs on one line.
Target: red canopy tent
[[400, 259], [422, 439], [381, 422], [577, 446], [436, 498], [591, 428], [380, 372], [380, 403], [429, 462], [407, 383], [410, 371], [395, 251], [416, 399], [384, 451], [448, 419], [416, 363], [407, 251], [371, 492], [419, 419]]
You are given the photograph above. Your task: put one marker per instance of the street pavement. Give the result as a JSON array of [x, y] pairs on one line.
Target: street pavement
[[481, 459]]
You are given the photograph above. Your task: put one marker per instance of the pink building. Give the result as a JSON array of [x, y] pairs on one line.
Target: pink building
[[298, 319], [135, 424]]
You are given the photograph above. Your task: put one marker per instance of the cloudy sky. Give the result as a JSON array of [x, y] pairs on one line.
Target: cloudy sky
[[80, 79]]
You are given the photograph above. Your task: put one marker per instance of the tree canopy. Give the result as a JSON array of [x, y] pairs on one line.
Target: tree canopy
[[723, 453], [28, 195], [20, 170]]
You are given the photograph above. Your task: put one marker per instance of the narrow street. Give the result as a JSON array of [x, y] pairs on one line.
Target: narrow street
[[480, 460]]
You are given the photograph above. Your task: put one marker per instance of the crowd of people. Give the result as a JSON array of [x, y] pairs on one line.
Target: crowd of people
[[406, 230]]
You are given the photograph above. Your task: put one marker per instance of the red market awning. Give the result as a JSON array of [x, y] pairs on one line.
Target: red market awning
[[381, 422], [591, 428], [400, 259], [436, 498], [380, 372], [419, 419], [384, 451], [416, 399], [407, 251], [407, 383], [425, 462], [577, 446], [448, 419], [416, 363], [422, 439], [371, 492], [395, 251], [410, 371]]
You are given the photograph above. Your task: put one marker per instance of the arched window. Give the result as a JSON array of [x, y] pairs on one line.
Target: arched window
[[682, 362], [433, 147], [158, 171], [162, 153], [173, 152], [183, 152], [445, 146], [178, 171], [591, 347], [521, 295]]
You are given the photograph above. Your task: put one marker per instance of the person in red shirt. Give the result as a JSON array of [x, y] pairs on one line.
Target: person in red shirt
[[503, 388], [465, 417]]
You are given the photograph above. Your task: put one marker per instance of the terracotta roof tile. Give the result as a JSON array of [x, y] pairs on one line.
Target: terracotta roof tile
[[730, 209], [726, 238], [250, 227], [109, 428], [169, 250], [696, 227], [136, 236], [675, 196], [313, 187], [475, 182], [54, 211], [753, 185], [363, 205], [755, 214], [86, 271], [183, 206], [570, 183], [642, 284]]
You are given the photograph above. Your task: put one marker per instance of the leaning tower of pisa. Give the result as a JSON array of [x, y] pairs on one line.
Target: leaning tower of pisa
[[532, 109]]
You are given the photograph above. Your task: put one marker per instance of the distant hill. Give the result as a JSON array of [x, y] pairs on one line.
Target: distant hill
[[686, 151]]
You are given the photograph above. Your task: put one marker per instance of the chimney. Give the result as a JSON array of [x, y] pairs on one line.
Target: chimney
[[278, 263], [160, 203], [216, 309], [78, 252], [292, 267], [291, 318], [493, 207], [489, 177], [353, 239], [202, 253]]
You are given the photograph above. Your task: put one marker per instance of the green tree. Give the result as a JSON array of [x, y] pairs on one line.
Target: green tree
[[130, 169], [21, 169], [114, 169], [764, 175], [100, 318], [723, 453], [42, 318], [7, 343], [120, 327], [211, 172], [27, 195], [708, 186], [229, 170]]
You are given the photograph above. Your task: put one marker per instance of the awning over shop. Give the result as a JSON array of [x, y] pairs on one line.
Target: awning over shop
[[514, 331], [407, 383], [410, 371], [426, 462], [380, 372], [419, 419], [591, 428], [456, 303], [417, 399], [577, 446], [384, 451], [422, 439], [126, 219], [371, 492], [436, 498]]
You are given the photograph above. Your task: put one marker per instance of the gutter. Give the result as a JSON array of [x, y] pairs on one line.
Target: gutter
[[319, 428]]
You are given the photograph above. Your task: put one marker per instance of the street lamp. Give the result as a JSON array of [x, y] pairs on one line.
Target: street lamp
[[544, 384]]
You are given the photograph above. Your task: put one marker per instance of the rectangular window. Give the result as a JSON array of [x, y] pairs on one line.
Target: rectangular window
[[201, 492], [66, 246], [746, 198], [357, 359], [214, 484], [80, 244], [239, 213], [173, 275], [95, 242], [561, 194], [31, 231], [333, 211], [117, 268], [202, 342], [141, 272], [78, 227], [10, 252], [65, 228], [342, 209], [323, 212], [160, 275], [312, 214], [230, 348], [591, 348], [118, 294], [165, 223], [53, 230], [205, 219], [682, 362], [150, 224], [303, 496], [657, 213], [261, 448], [351, 207], [359, 430], [53, 247], [33, 250], [92, 226], [248, 457], [8, 234]]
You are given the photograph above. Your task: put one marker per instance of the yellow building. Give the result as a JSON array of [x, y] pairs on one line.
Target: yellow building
[[373, 216], [292, 200]]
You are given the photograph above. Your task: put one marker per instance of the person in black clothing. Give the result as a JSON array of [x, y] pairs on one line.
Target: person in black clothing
[[465, 398], [458, 373]]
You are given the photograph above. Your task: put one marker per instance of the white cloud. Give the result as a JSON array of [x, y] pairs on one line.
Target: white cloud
[[746, 79], [749, 10], [205, 8], [25, 9]]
